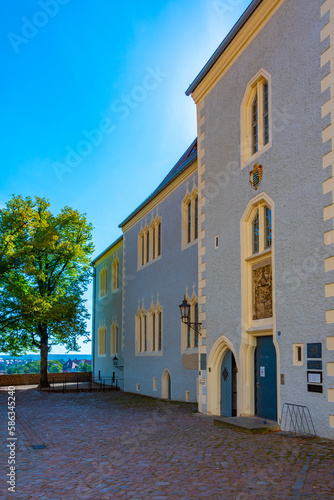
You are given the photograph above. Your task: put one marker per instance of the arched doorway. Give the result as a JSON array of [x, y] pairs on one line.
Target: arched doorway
[[228, 386], [215, 380], [166, 385]]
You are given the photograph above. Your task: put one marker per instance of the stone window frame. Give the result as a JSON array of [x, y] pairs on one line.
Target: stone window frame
[[154, 313], [102, 347], [149, 243], [114, 339], [190, 218], [249, 259], [189, 337], [115, 274], [255, 89], [103, 275]]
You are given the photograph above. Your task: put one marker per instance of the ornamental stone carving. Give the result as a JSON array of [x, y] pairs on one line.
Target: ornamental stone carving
[[262, 290]]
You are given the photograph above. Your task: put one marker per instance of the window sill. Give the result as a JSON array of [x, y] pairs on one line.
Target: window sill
[[259, 256], [149, 353], [256, 155], [149, 263], [101, 355], [190, 350], [103, 296], [190, 244]]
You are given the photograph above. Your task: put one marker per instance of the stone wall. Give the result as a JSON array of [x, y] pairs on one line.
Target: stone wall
[[33, 378]]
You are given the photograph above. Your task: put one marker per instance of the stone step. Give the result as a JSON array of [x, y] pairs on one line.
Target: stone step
[[253, 425]]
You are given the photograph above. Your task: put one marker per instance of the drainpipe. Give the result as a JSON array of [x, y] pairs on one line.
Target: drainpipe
[[93, 321]]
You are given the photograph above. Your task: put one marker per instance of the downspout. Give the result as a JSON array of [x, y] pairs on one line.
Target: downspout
[[93, 321]]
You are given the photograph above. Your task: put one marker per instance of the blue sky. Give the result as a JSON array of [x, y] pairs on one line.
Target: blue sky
[[93, 105]]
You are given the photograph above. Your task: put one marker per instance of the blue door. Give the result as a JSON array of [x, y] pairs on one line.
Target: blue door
[[226, 385], [265, 379]]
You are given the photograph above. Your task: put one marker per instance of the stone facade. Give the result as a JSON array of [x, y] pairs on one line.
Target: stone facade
[[107, 313], [280, 41], [262, 264]]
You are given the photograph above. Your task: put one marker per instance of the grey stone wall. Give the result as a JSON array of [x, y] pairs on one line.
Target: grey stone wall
[[165, 279], [289, 48]]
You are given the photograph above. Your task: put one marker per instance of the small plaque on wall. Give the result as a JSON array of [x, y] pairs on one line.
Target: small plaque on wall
[[314, 388], [314, 365], [314, 377], [314, 350]]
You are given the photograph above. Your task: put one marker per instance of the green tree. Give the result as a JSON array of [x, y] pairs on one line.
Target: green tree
[[44, 271], [84, 367], [55, 366], [32, 367]]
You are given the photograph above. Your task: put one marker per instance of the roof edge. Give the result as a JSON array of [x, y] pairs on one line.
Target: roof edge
[[189, 162], [221, 48], [107, 249]]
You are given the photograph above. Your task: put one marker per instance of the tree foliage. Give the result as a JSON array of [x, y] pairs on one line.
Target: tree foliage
[[54, 366], [44, 270], [84, 367]]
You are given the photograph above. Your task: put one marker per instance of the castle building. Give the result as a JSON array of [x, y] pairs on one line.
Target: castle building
[[258, 264]]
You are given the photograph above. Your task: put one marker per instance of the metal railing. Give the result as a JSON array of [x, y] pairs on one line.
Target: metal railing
[[297, 420], [93, 384]]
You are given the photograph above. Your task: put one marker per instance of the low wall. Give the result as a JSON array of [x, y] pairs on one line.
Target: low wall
[[33, 378]]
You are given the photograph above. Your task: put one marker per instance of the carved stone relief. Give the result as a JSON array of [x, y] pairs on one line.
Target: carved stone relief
[[262, 290]]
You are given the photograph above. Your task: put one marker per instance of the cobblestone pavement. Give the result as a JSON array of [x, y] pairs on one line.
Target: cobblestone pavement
[[111, 445]]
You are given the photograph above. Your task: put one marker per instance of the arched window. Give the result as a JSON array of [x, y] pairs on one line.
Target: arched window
[[261, 232], [149, 242], [115, 274], [257, 276], [189, 335], [159, 330], [255, 233], [256, 127], [190, 218], [114, 339], [158, 227], [149, 330], [103, 282], [102, 340]]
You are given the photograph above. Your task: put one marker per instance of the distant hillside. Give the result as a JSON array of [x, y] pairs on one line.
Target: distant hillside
[[36, 357]]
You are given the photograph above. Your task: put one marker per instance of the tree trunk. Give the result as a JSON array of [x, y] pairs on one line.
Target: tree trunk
[[43, 380]]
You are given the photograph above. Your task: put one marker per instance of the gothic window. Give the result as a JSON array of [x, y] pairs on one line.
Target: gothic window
[[255, 117], [103, 282], [190, 218], [149, 330], [267, 227], [114, 339], [102, 340], [255, 233], [115, 274], [149, 242], [189, 335]]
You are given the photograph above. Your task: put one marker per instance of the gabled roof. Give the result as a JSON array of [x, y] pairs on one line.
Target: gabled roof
[[227, 40], [186, 159]]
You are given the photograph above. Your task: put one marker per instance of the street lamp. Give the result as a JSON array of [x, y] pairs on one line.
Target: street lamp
[[115, 362], [185, 316]]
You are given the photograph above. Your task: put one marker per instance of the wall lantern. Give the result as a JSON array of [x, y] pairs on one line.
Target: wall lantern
[[185, 316], [115, 362]]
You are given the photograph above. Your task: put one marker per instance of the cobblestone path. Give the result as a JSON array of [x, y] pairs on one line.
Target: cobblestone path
[[121, 446]]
